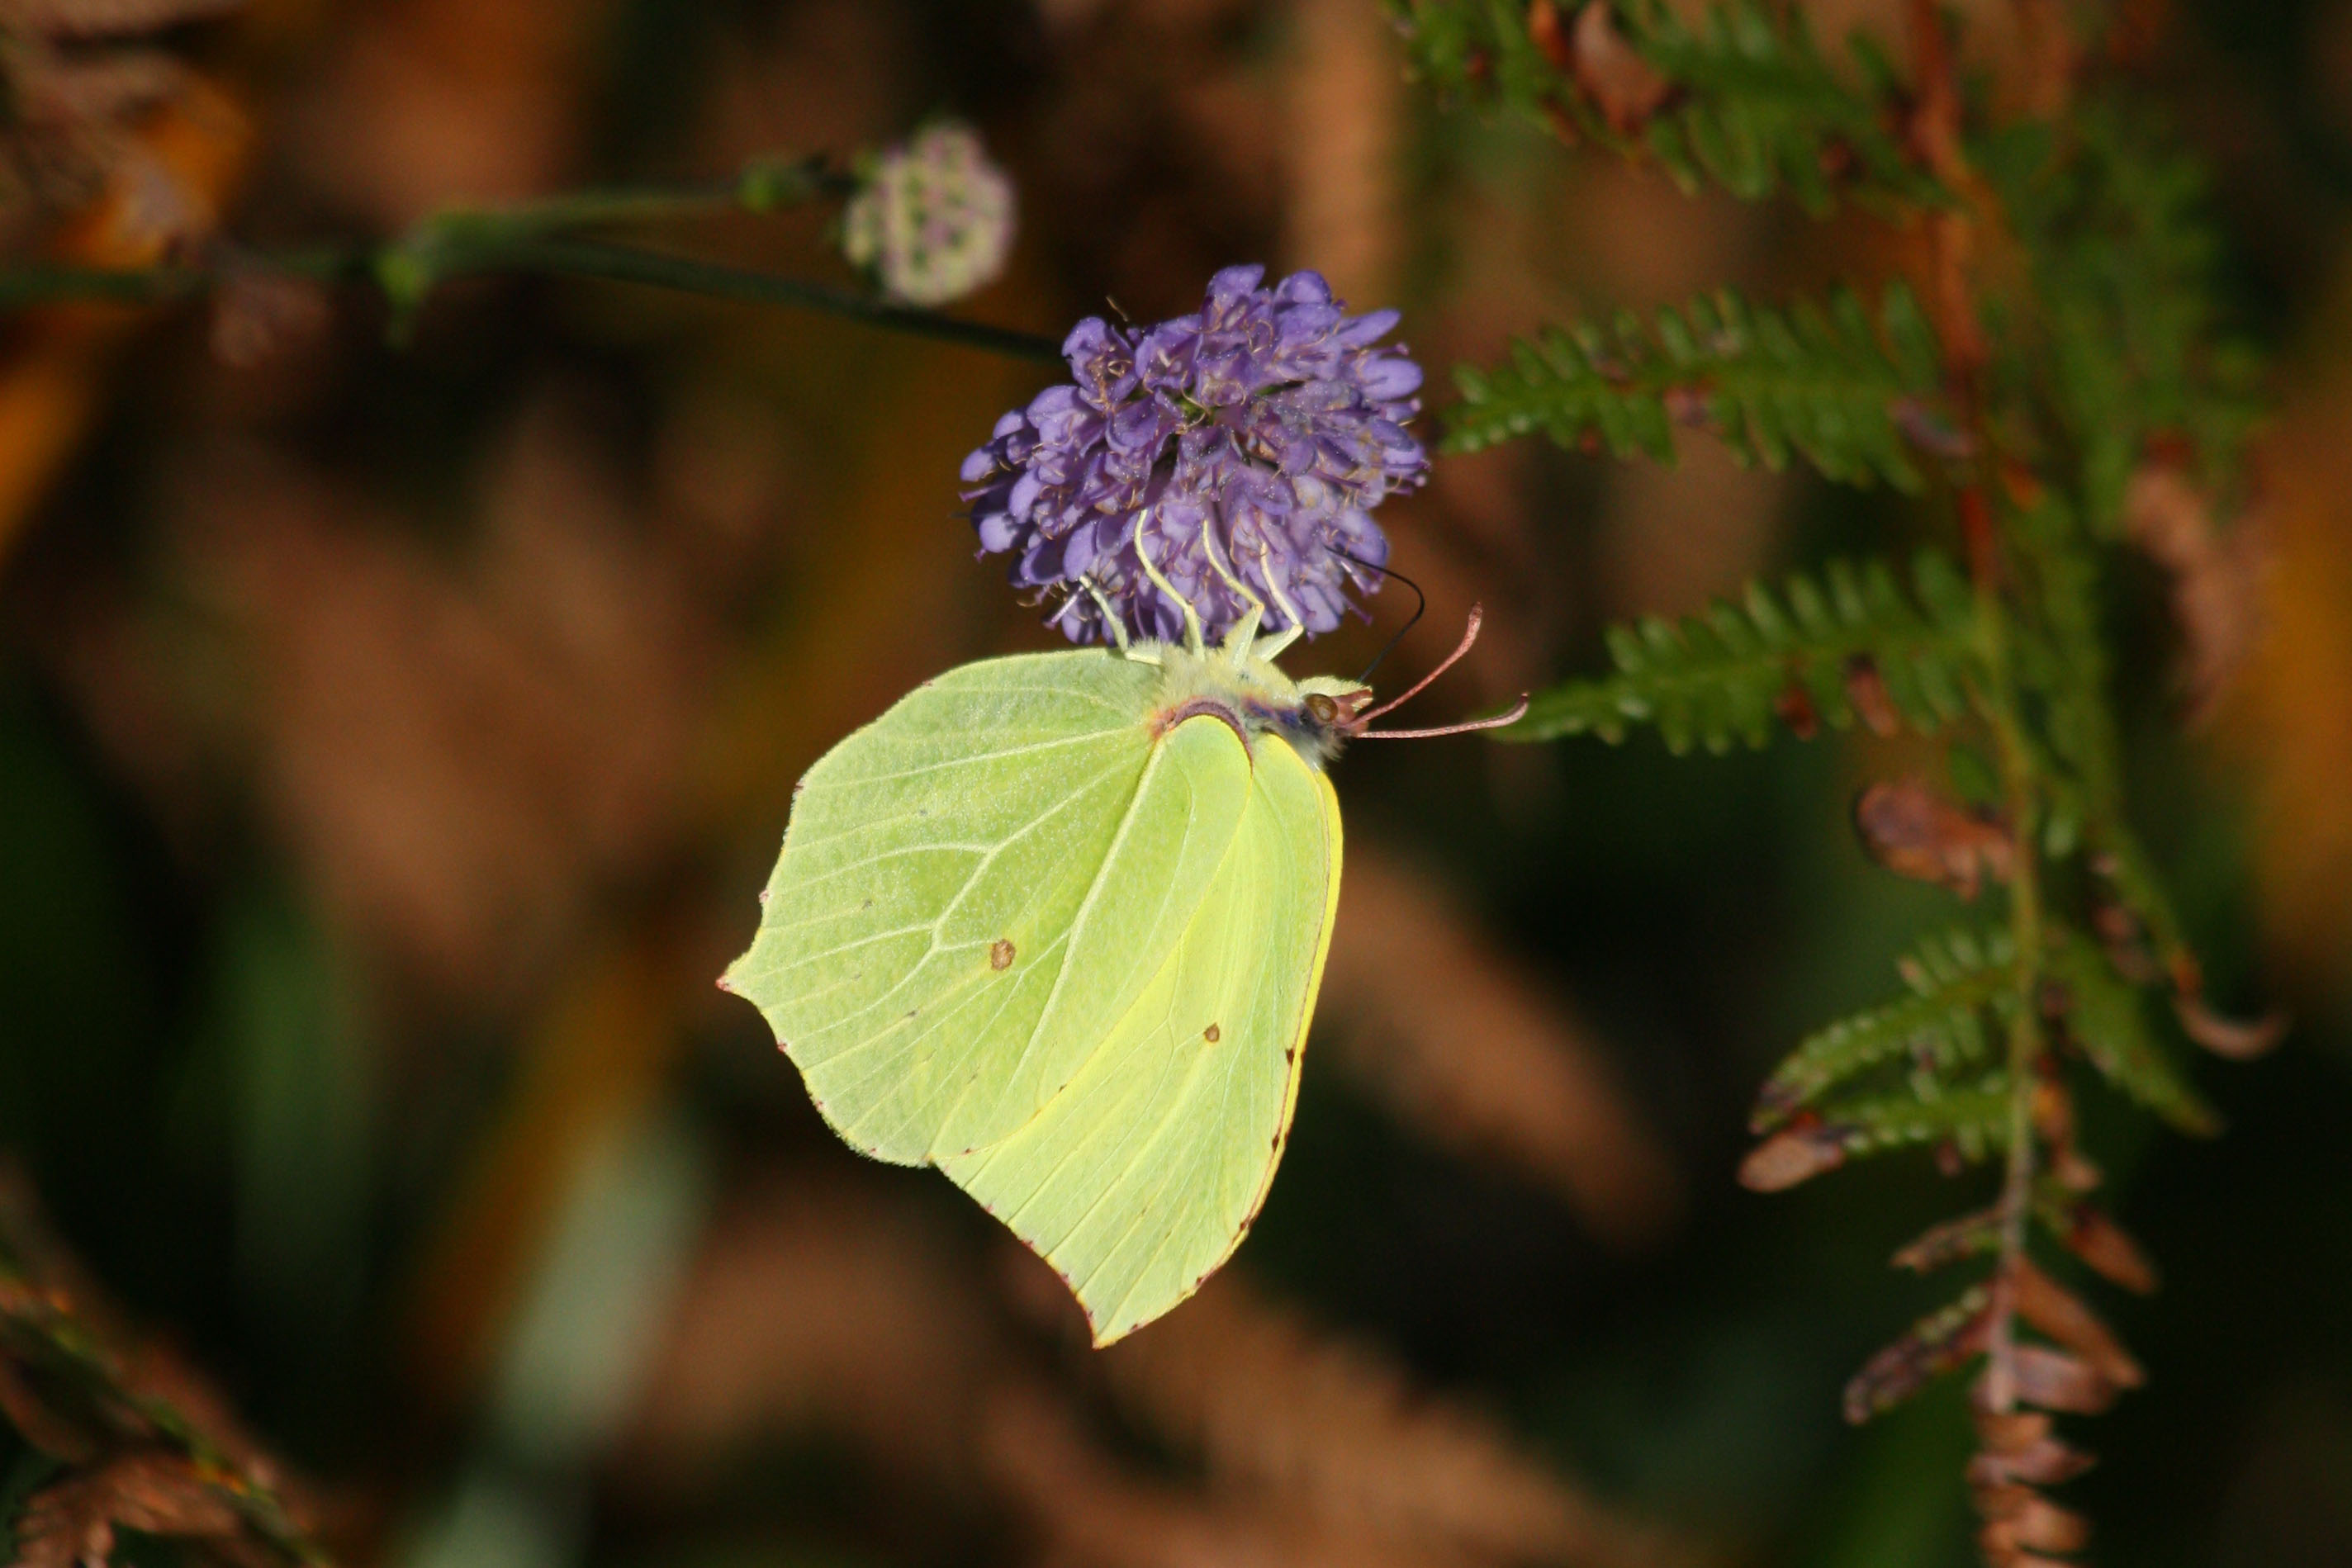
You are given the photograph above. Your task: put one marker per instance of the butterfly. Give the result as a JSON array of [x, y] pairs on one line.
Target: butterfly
[[1055, 924]]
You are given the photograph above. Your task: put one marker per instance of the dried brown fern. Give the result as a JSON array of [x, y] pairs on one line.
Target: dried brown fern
[[1464, 1046], [829, 1306], [76, 85], [135, 1437], [1278, 1410]]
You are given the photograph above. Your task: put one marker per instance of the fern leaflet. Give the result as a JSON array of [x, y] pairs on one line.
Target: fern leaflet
[[1743, 97], [1954, 978], [1805, 654], [1817, 381], [2105, 1018]]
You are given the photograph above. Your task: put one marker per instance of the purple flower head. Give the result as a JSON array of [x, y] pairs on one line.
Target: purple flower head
[[1248, 443]]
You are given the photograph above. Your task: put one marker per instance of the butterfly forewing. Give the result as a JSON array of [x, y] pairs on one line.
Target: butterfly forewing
[[1142, 1174], [970, 886]]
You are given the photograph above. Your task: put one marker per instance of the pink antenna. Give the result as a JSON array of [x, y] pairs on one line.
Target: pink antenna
[[1469, 635], [1496, 721]]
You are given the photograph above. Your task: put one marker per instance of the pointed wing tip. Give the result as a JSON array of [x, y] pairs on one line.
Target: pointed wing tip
[[1120, 1327]]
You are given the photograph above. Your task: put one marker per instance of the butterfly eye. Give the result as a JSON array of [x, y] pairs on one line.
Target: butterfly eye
[[1321, 708]]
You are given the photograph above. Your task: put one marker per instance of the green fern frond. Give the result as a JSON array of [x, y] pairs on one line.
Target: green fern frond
[[1481, 51], [2124, 331], [2129, 874], [1853, 400], [1746, 98], [1955, 977], [1721, 677], [1762, 109], [2062, 652], [2104, 1016], [1973, 1119], [1970, 1121]]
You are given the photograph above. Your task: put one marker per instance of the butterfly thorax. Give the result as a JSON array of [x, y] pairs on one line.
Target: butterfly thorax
[[1315, 716]]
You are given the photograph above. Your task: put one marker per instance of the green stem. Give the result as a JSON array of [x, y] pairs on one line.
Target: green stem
[[2021, 800], [584, 258], [539, 236]]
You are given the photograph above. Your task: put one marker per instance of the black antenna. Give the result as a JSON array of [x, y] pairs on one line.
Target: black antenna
[[1421, 604]]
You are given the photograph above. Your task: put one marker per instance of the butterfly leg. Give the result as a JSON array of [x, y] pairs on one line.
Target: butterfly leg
[[1270, 646], [1193, 643], [1244, 633], [1148, 653]]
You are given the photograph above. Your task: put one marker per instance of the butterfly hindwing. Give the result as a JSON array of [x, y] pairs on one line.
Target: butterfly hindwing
[[1142, 1176], [972, 885]]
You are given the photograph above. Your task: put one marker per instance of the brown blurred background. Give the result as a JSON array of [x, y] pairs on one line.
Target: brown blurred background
[[392, 741]]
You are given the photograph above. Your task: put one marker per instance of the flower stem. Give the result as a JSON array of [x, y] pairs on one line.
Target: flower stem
[[542, 236], [584, 258]]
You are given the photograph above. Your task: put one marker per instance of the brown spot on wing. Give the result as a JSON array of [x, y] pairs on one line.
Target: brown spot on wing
[[1000, 952], [1213, 1034]]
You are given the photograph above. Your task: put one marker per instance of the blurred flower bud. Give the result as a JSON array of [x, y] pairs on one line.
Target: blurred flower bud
[[934, 218]]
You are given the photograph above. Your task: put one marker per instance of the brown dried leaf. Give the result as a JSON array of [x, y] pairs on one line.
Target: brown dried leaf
[[2238, 1039], [2125, 941], [109, 88], [1866, 688], [2217, 578], [2043, 1463], [1549, 35], [1797, 1152], [1969, 1236], [2107, 1248], [1095, 1513], [1625, 87], [423, 103], [1277, 1410], [2053, 1380], [47, 1430], [105, 18], [1468, 1048], [2036, 1524], [823, 1307], [53, 1315], [2058, 1312], [458, 757], [1934, 1345], [1915, 829], [1794, 708], [71, 1523], [1929, 426], [2009, 1431], [2053, 1110], [817, 1305], [66, 139]]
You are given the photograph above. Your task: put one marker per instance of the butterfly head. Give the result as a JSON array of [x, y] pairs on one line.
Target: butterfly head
[[1351, 711], [1328, 713], [1242, 686]]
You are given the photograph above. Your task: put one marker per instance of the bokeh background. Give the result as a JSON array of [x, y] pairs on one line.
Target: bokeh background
[[392, 741]]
